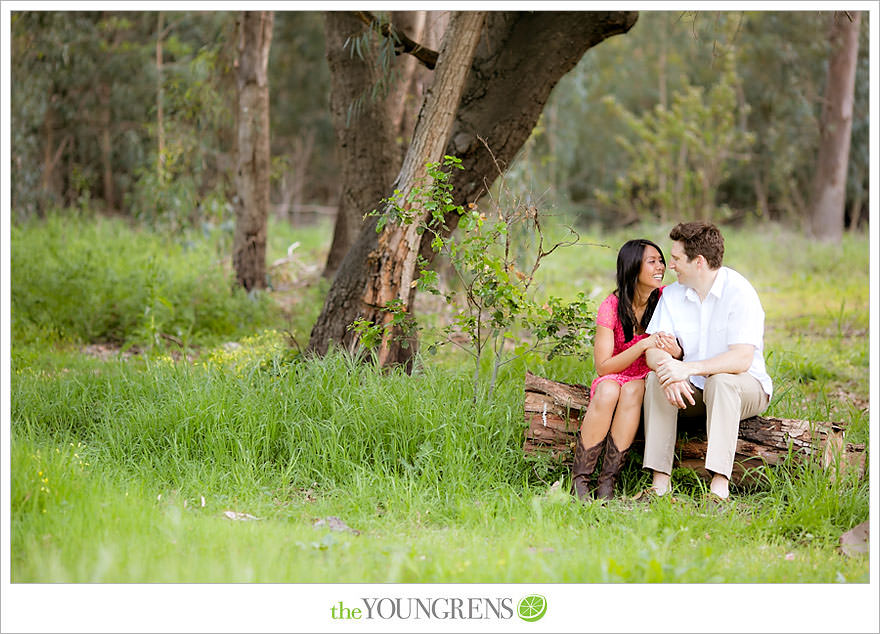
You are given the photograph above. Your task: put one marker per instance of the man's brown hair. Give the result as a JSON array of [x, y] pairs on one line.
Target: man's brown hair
[[700, 238]]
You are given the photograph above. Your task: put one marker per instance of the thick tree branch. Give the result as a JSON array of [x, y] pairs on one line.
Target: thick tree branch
[[402, 43]]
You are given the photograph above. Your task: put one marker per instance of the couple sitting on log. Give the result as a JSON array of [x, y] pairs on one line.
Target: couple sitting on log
[[693, 348]]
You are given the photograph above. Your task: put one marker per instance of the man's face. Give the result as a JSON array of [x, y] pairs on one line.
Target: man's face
[[678, 262]]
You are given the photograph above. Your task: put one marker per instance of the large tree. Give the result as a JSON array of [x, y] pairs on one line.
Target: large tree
[[829, 181], [364, 137], [519, 59], [374, 100], [254, 30]]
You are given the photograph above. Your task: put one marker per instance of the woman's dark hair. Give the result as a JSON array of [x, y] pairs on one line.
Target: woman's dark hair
[[629, 265]]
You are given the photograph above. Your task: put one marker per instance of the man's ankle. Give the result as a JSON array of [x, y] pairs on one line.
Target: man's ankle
[[660, 483], [720, 486]]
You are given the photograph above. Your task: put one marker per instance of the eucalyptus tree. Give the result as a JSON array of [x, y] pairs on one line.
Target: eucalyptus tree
[[77, 114], [781, 60], [305, 165], [519, 59], [254, 40], [829, 181], [375, 97]]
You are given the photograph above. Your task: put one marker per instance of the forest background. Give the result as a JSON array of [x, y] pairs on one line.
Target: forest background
[[89, 119], [123, 219]]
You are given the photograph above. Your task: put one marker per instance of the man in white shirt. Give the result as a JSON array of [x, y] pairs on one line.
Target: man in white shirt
[[718, 319]]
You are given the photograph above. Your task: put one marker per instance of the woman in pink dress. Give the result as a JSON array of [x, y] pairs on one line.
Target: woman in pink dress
[[614, 413]]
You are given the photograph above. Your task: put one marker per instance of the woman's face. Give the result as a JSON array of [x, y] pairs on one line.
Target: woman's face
[[651, 275]]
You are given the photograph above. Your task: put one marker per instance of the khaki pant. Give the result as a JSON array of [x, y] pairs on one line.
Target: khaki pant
[[726, 400]]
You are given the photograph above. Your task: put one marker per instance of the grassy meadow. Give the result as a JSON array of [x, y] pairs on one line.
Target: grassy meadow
[[165, 428]]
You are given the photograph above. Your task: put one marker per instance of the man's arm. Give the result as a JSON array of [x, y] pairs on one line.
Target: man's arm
[[736, 360], [678, 393]]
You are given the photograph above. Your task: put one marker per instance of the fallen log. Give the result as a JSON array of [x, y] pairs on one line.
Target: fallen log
[[553, 411]]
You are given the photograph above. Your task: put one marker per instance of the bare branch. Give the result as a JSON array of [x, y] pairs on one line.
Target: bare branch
[[402, 43]]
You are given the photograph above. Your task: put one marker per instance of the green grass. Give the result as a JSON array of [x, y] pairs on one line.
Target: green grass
[[436, 494], [111, 458], [99, 279]]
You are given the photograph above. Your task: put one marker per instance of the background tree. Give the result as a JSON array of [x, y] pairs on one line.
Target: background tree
[[780, 58], [681, 154], [829, 182], [76, 124], [85, 97], [254, 30], [305, 165]]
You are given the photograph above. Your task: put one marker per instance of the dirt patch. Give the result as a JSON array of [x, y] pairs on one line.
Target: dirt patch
[[107, 351], [112, 351]]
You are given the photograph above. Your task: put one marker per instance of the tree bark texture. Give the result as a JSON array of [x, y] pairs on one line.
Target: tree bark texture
[[373, 140], [829, 183], [252, 173], [404, 99], [554, 410], [392, 265], [520, 58], [381, 268], [364, 136]]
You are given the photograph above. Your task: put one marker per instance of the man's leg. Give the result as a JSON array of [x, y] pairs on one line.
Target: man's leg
[[661, 426], [729, 399]]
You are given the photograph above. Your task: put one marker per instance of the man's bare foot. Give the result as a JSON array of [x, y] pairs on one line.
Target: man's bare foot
[[660, 483], [720, 486]]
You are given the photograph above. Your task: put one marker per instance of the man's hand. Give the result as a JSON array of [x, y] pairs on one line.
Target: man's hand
[[671, 371], [679, 392]]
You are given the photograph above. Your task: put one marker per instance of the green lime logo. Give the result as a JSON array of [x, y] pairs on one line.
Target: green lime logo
[[532, 608]]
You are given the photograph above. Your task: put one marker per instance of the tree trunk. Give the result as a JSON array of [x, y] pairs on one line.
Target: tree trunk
[[855, 209], [829, 182], [106, 145], [252, 174], [518, 62], [50, 179], [363, 135], [554, 410], [394, 272], [404, 99], [160, 100], [293, 179]]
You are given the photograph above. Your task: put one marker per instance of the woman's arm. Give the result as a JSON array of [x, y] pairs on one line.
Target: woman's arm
[[603, 349]]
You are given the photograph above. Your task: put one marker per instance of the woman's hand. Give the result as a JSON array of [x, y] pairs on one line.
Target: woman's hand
[[670, 345], [662, 341]]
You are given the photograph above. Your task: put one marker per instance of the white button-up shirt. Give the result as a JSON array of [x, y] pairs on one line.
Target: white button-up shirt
[[730, 314]]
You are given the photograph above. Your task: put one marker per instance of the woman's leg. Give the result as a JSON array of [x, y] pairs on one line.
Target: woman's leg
[[591, 437], [597, 420], [628, 414], [623, 431]]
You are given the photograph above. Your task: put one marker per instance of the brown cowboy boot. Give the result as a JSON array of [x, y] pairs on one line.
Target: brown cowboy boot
[[611, 465], [582, 468]]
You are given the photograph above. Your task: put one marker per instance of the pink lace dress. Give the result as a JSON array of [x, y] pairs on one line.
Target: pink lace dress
[[607, 316]]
